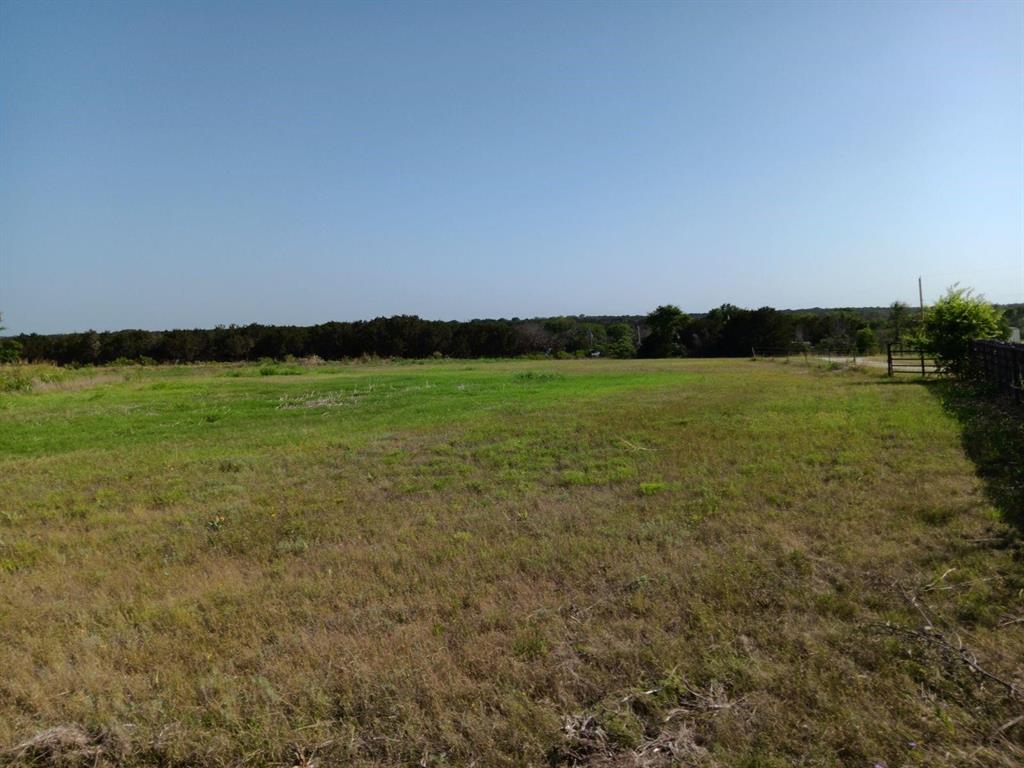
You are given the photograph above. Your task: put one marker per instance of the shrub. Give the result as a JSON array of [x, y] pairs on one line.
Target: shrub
[[954, 321]]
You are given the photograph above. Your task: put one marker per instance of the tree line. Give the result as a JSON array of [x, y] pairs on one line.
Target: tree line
[[727, 331]]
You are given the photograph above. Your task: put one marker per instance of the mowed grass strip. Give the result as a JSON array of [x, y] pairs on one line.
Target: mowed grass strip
[[518, 563]]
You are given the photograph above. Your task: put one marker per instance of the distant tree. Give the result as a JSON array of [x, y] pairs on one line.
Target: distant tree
[[1014, 314], [591, 336], [620, 341], [902, 324], [770, 329], [726, 331], [10, 349], [559, 324], [866, 342], [534, 337], [559, 330], [954, 321], [666, 323], [231, 342], [739, 331], [706, 335]]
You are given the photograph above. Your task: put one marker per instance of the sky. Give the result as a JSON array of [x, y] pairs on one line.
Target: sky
[[187, 164]]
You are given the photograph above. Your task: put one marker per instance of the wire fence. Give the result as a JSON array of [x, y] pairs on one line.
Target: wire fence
[[812, 355]]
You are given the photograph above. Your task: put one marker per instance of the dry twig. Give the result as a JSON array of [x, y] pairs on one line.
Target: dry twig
[[934, 637]]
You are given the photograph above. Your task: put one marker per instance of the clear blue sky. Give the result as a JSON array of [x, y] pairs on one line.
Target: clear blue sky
[[183, 164]]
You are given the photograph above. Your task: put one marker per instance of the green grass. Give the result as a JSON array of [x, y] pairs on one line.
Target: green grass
[[501, 563]]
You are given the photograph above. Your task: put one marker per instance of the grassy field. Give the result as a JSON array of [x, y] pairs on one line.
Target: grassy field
[[604, 563]]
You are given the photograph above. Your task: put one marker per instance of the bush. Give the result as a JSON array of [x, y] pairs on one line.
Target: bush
[[954, 321]]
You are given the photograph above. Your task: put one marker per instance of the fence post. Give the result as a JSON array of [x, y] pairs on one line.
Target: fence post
[[888, 349], [922, 362]]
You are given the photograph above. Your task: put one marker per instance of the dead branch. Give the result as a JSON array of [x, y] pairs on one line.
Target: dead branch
[[933, 636]]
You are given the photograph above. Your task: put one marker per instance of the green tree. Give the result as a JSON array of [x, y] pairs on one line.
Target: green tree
[[899, 322], [954, 321], [902, 324], [666, 323], [10, 349], [865, 341], [620, 341]]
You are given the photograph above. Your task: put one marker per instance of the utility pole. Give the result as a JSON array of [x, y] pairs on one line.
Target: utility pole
[[920, 296]]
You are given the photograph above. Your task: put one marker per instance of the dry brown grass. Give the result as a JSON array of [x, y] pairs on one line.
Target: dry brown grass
[[70, 746]]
